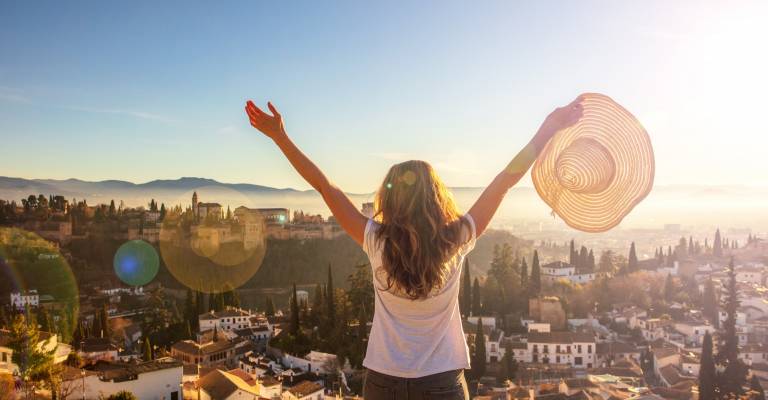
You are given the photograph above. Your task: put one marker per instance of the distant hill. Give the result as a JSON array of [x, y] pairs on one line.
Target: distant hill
[[731, 205]]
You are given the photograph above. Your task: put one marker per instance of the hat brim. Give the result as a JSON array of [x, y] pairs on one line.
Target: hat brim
[[629, 146]]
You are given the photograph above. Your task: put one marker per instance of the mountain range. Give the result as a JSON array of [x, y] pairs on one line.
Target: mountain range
[[734, 205]]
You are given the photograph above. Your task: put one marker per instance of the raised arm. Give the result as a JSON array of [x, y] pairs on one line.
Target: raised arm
[[348, 216], [488, 202]]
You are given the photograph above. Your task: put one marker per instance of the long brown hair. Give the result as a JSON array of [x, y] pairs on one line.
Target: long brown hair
[[420, 228]]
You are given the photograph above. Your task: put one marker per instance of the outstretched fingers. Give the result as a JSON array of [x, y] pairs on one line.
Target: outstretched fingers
[[273, 110]]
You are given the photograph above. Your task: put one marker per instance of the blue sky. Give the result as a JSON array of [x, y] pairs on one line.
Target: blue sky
[[141, 91]]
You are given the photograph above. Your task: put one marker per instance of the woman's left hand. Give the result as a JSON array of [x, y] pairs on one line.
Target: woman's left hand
[[270, 125]]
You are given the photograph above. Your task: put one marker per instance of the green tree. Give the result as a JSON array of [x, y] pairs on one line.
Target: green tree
[[535, 283], [478, 360], [476, 304], [707, 373], [573, 256], [632, 263], [606, 264], [465, 297], [717, 245], [269, 307], [734, 372], [508, 365], [524, 275], [294, 328], [709, 303], [147, 350], [361, 292], [330, 308], [35, 363]]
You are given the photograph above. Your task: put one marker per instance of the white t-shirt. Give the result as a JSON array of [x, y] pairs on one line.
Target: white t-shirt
[[415, 338]]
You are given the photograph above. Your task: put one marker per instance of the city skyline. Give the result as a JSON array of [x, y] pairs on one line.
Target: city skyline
[[156, 91]]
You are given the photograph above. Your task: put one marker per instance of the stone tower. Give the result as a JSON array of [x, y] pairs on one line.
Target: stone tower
[[194, 203]]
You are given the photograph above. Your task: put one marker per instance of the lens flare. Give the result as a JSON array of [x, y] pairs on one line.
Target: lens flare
[[208, 249], [136, 263], [28, 263]]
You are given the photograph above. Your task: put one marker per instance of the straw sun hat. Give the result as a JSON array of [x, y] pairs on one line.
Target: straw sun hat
[[593, 173]]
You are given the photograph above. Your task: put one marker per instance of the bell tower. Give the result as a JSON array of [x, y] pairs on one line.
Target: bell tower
[[194, 203]]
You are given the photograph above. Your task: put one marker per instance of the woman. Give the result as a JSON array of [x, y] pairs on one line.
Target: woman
[[416, 244]]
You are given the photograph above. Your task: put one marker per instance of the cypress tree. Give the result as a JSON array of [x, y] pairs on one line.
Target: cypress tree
[[465, 299], [717, 245], [147, 350], [591, 261], [707, 373], [476, 297], [734, 373], [478, 361], [535, 283], [269, 307], [632, 260], [330, 308], [709, 303], [583, 258], [524, 276], [572, 255], [294, 328]]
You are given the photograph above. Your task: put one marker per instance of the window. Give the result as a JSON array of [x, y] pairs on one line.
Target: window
[[589, 349], [577, 360], [578, 348], [546, 348], [557, 348]]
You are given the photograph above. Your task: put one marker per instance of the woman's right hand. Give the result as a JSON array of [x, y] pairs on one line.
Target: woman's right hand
[[564, 117], [270, 125]]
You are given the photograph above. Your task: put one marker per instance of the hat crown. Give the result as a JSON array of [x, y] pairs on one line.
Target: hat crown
[[585, 166]]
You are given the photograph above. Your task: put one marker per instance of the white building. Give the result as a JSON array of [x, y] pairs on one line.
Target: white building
[[741, 317], [557, 270], [153, 380], [564, 348], [749, 274], [651, 328], [20, 300], [694, 331], [316, 361], [230, 319]]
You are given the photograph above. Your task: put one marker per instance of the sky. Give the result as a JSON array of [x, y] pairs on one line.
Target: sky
[[140, 91]]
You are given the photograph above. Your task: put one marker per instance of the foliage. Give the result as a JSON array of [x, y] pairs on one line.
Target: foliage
[[733, 375], [707, 370], [476, 303], [123, 395], [465, 293], [479, 356], [34, 361]]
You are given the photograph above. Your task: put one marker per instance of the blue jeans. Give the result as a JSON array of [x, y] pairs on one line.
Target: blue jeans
[[449, 385]]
